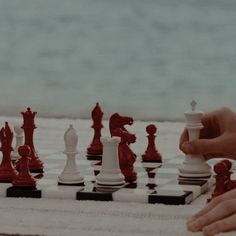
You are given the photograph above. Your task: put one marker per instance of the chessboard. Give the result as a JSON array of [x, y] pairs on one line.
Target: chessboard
[[156, 183]]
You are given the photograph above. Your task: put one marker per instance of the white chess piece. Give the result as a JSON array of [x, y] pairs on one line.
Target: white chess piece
[[70, 174], [110, 174], [194, 166], [19, 142]]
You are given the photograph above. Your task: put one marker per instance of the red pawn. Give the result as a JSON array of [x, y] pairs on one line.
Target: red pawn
[[96, 147], [24, 179], [151, 154], [35, 164], [7, 171], [223, 173]]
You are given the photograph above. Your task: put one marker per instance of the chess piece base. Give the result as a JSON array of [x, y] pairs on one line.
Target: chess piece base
[[70, 179], [195, 175], [7, 176], [110, 178], [24, 183], [195, 167]]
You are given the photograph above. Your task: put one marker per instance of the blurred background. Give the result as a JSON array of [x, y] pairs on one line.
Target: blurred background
[[147, 59]]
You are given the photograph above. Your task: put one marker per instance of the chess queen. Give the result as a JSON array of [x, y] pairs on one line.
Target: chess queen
[[35, 164]]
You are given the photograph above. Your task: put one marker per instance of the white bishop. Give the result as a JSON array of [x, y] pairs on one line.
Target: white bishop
[[70, 174]]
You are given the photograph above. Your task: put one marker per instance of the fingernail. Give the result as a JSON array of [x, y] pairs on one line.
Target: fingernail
[[191, 219], [187, 147], [194, 226]]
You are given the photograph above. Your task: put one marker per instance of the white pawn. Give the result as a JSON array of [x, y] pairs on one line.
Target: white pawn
[[70, 174], [194, 166], [110, 174], [19, 142]]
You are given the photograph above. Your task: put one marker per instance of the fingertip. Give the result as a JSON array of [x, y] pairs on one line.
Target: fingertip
[[187, 148], [209, 231]]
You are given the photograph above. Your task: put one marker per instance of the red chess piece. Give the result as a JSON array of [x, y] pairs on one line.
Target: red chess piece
[[151, 154], [35, 164], [7, 171], [96, 147], [24, 179], [223, 173], [126, 156]]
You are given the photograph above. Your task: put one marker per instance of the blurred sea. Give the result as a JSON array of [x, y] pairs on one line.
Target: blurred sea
[[146, 58]]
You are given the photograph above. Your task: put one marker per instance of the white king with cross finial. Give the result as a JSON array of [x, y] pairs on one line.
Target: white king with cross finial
[[194, 166]]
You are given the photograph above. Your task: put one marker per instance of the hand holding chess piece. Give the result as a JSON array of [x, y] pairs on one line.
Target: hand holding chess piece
[[194, 165], [217, 140]]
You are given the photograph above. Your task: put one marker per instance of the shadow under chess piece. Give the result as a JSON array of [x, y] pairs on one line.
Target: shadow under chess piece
[[151, 154], [70, 174], [7, 171], [194, 166], [24, 185], [19, 141]]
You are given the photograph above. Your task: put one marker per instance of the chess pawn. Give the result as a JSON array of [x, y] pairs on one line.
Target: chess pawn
[[19, 141], [70, 174], [194, 166], [24, 178], [110, 174], [151, 154]]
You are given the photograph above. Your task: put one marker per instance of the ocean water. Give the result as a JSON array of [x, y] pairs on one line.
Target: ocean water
[[147, 59]]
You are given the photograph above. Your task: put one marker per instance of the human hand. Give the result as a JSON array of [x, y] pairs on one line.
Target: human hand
[[217, 138], [218, 216]]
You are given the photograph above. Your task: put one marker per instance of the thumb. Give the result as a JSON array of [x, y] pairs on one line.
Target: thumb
[[202, 146]]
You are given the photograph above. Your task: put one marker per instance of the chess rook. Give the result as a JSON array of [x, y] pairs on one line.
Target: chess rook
[[94, 151], [35, 164], [70, 174], [7, 171], [19, 141], [110, 174], [194, 166]]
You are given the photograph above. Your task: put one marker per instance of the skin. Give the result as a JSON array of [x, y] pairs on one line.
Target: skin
[[217, 140]]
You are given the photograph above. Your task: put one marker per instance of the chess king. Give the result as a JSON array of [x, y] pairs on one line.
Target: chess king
[[194, 166]]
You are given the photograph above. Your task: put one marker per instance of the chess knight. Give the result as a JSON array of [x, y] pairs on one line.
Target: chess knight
[[126, 156]]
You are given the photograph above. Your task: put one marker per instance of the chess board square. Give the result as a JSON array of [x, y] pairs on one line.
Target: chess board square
[[131, 195], [3, 188], [61, 192], [195, 189], [171, 197]]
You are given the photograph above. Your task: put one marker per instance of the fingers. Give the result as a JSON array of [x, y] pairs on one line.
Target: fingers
[[203, 146], [183, 138], [224, 225], [221, 211], [215, 201]]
